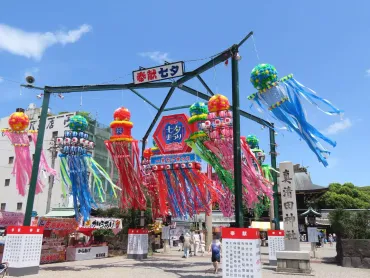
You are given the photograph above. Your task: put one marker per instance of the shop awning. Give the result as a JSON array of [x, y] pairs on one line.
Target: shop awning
[[61, 212]]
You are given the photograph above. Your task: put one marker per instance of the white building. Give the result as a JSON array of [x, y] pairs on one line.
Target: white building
[[10, 200]]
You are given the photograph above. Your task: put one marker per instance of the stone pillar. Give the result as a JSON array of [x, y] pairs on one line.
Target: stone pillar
[[289, 206]]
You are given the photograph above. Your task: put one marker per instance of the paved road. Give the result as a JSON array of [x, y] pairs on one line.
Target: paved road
[[172, 265]]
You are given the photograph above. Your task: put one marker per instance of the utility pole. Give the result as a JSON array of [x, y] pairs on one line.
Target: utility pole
[[54, 151]]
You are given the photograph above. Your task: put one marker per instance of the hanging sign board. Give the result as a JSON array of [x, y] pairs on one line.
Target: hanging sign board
[[159, 73], [171, 133], [61, 224]]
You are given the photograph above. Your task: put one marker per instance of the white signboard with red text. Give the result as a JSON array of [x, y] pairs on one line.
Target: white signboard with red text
[[241, 256], [166, 71], [276, 243], [23, 249], [137, 247]]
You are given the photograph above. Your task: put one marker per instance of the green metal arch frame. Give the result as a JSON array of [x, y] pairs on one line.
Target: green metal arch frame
[[179, 83]]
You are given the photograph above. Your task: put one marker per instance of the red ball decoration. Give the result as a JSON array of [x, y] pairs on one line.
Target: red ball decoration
[[147, 153], [218, 103], [18, 121], [122, 114]]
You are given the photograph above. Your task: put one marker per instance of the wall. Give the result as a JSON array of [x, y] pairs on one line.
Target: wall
[[354, 252]]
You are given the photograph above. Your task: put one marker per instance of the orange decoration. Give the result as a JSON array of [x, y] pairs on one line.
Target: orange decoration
[[218, 103], [18, 121]]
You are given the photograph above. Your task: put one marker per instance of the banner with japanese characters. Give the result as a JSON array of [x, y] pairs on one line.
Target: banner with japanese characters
[[58, 224], [11, 218], [312, 234], [276, 243], [166, 71], [137, 247], [103, 223], [22, 249], [289, 205], [241, 255]]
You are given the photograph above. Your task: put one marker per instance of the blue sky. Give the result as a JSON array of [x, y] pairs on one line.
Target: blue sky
[[324, 43]]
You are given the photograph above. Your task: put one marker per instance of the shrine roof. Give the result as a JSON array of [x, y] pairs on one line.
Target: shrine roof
[[304, 183]]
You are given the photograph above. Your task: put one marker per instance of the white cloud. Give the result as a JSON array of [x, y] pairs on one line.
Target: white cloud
[[367, 73], [33, 71], [1, 79], [156, 56], [338, 127], [33, 44]]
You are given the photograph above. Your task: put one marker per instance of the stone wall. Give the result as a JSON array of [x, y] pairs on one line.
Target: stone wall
[[353, 252]]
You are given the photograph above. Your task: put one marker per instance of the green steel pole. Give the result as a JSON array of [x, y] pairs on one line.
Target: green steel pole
[[36, 159], [274, 175], [236, 134]]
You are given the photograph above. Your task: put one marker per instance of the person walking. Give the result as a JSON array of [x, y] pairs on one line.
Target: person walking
[[186, 245], [181, 242], [215, 247], [202, 243], [331, 240], [196, 242]]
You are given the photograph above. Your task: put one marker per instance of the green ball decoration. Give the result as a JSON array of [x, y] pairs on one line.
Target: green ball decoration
[[263, 76], [78, 123], [198, 108], [253, 141]]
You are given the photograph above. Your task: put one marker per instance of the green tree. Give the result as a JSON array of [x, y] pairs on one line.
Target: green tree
[[346, 196]]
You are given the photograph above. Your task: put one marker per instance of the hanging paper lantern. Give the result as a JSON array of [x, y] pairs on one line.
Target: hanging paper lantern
[[121, 126], [124, 150], [18, 121], [216, 148], [22, 168], [78, 123], [76, 163], [283, 98], [199, 113], [263, 76], [218, 103]]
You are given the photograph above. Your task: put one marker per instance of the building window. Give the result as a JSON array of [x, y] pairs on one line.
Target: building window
[[19, 206], [55, 134], [7, 182], [11, 159], [3, 206]]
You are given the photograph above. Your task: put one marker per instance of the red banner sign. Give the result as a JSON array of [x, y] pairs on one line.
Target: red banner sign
[[240, 233], [11, 219], [58, 224]]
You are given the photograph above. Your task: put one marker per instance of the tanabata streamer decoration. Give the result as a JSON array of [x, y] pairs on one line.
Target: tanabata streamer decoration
[[124, 151], [214, 143], [283, 98], [183, 190], [152, 187], [253, 143], [76, 163], [18, 136]]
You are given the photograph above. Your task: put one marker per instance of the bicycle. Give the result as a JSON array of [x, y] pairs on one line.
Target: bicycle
[[3, 270]]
